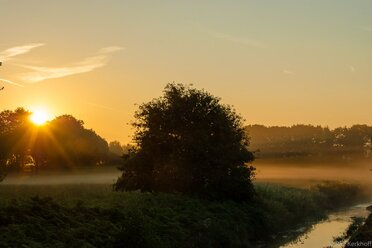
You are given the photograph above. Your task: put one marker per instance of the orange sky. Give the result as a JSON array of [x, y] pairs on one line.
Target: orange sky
[[278, 62]]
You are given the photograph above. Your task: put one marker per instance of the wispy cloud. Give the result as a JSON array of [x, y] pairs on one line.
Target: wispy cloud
[[11, 82], [288, 72], [42, 73], [237, 39], [18, 50], [39, 73], [110, 49], [352, 69]]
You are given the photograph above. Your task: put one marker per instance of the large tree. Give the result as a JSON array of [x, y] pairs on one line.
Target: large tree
[[15, 136], [62, 142], [187, 141], [65, 142]]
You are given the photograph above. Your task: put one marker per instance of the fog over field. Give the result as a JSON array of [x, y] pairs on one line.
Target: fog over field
[[279, 171], [97, 176], [305, 173]]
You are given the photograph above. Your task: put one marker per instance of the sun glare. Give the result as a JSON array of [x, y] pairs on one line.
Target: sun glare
[[39, 117]]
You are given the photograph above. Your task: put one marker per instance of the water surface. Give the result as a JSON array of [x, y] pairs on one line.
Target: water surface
[[322, 234]]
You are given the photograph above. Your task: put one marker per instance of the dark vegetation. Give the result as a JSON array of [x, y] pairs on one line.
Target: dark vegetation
[[363, 236], [340, 193], [95, 216], [61, 143], [356, 223], [187, 141], [311, 141], [3, 170]]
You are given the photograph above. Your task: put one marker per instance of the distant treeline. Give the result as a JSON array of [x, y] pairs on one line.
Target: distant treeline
[[308, 140], [65, 142], [61, 143]]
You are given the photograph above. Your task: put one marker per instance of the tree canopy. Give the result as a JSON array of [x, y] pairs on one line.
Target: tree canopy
[[187, 141], [116, 148], [67, 142], [62, 142]]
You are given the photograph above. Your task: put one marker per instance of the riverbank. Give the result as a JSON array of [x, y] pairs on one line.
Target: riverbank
[[363, 236], [332, 232], [95, 216]]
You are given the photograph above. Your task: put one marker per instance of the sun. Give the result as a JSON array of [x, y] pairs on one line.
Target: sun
[[39, 117]]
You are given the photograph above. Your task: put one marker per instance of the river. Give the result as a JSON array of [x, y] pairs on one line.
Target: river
[[322, 234]]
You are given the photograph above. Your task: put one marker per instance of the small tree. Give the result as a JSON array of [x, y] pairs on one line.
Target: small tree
[[116, 148], [188, 142]]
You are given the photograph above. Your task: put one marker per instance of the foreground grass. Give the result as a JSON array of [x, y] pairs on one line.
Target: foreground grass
[[95, 216]]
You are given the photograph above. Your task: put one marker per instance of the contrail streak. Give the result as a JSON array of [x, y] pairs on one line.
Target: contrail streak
[[11, 82]]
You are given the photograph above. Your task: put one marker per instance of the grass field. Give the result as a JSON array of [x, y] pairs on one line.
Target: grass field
[[92, 215]]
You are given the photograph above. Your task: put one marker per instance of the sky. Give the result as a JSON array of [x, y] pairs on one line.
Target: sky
[[277, 62]]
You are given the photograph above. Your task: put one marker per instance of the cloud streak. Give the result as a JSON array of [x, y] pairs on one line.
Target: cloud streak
[[42, 73], [39, 73], [18, 50], [11, 82], [110, 49], [288, 72]]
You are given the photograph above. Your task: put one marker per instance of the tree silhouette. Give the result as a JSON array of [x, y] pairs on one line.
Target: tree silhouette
[[66, 142], [62, 142], [15, 135], [187, 141], [116, 148]]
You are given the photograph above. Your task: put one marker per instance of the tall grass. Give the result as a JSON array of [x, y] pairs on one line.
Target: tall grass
[[363, 235], [95, 216]]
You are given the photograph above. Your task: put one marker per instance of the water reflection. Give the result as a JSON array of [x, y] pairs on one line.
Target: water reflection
[[323, 233]]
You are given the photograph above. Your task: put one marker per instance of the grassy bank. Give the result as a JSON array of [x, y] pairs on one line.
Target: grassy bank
[[363, 236], [94, 216]]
